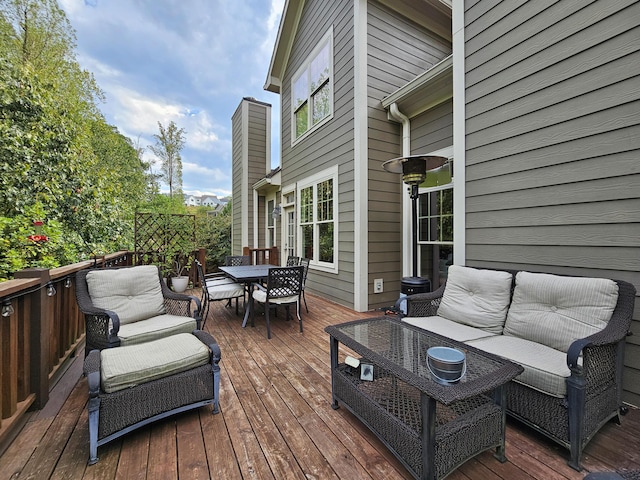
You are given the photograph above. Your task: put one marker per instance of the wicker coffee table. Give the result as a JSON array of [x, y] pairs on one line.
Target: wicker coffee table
[[431, 428]]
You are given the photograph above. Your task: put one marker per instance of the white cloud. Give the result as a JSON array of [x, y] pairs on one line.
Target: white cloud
[[188, 62]]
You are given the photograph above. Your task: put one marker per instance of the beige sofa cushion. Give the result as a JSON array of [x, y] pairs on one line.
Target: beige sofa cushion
[[545, 369], [125, 367], [155, 328], [448, 328], [478, 298], [133, 293], [555, 310]]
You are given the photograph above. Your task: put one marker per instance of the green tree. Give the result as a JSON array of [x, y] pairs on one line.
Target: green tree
[[169, 143], [214, 234], [61, 161]]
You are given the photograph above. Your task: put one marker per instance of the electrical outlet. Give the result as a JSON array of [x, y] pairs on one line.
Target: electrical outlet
[[378, 286]]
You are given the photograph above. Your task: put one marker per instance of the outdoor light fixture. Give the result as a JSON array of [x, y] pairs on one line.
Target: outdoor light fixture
[[276, 212], [51, 290], [7, 308], [414, 170], [67, 283]]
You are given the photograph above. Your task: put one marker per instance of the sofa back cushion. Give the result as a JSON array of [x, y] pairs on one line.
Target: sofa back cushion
[[555, 310], [133, 293], [478, 298]]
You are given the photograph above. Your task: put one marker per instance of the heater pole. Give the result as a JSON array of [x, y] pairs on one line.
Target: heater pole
[[414, 224]]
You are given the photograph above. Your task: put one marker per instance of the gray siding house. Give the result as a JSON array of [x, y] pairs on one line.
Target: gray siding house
[[251, 160], [536, 104]]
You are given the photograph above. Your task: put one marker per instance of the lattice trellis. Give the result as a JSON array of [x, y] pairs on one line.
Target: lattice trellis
[[156, 234]]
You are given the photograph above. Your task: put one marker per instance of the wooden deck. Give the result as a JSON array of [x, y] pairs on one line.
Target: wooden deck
[[276, 422]]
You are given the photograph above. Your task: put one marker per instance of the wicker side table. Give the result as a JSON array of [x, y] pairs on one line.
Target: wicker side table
[[431, 428]]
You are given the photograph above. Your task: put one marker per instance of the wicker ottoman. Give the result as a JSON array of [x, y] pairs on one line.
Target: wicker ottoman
[[132, 386]]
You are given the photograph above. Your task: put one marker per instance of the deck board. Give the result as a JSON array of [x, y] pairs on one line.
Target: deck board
[[276, 422]]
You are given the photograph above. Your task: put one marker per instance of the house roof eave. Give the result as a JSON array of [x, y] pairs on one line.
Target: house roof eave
[[272, 182], [427, 90], [284, 42]]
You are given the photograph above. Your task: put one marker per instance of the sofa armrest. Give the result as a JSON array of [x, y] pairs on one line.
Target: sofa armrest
[[424, 304], [616, 330]]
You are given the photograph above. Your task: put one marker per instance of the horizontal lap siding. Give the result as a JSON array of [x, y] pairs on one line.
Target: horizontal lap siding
[[237, 169], [258, 168], [398, 51], [553, 141], [332, 144]]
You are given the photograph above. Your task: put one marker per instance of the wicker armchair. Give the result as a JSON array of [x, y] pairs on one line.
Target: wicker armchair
[[594, 387], [104, 325]]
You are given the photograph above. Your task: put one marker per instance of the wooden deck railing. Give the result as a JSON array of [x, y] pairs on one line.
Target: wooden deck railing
[[40, 329], [262, 256]]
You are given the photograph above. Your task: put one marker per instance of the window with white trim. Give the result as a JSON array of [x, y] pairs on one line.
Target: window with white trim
[[435, 222], [312, 90], [317, 222]]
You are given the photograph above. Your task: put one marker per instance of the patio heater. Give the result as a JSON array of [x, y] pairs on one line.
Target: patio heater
[[414, 170]]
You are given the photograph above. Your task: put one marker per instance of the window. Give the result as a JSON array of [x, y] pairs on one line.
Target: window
[[271, 230], [312, 90], [435, 225], [318, 211]]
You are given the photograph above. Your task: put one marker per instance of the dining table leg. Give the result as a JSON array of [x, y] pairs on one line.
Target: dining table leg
[[249, 307]]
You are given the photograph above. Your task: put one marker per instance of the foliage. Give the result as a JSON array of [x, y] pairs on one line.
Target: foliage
[[214, 234], [18, 251], [167, 148], [61, 161]]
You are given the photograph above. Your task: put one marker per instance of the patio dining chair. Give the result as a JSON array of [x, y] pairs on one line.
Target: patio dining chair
[[293, 261], [237, 260], [284, 285], [217, 291], [219, 278]]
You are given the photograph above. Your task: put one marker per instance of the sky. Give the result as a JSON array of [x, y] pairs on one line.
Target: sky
[[187, 61]]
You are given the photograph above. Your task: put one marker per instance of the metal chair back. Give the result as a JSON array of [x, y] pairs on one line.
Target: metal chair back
[[293, 261], [284, 282], [237, 260]]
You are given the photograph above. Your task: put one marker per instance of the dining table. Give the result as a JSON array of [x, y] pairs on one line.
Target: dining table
[[248, 275]]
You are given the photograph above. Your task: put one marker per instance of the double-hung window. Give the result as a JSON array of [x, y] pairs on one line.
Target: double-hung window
[[318, 216], [312, 90], [435, 222]]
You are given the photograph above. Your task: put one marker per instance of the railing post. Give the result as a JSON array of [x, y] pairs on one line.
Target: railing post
[[40, 321]]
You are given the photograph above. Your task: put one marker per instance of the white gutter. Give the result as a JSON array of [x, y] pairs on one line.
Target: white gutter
[[407, 260]]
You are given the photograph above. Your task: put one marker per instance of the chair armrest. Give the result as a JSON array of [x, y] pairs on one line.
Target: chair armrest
[[210, 342], [214, 276], [180, 303], [424, 304], [92, 363]]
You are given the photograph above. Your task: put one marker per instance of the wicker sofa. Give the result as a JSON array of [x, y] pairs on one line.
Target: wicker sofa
[[567, 332], [131, 305]]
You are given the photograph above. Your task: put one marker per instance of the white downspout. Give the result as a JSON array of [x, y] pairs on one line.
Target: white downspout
[[407, 259]]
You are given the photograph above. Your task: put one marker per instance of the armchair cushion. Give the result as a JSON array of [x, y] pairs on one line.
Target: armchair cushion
[[478, 298], [154, 328], [554, 310], [133, 293], [260, 295], [127, 367], [223, 291]]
